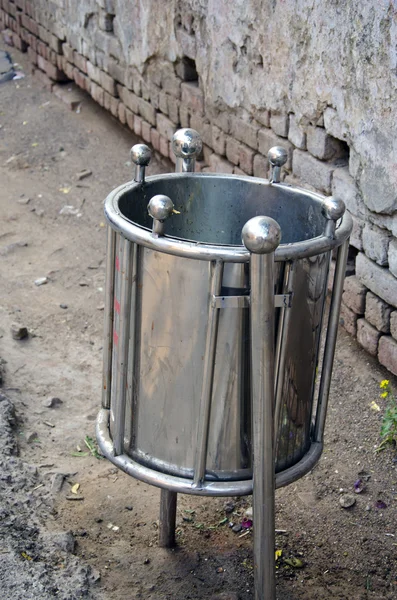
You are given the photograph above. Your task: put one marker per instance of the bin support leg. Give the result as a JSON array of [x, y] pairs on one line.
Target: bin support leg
[[168, 501], [261, 236]]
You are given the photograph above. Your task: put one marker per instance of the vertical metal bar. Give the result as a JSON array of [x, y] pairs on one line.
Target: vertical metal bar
[[108, 318], [262, 357], [330, 340], [281, 350], [261, 236], [168, 502], [208, 376], [122, 367]]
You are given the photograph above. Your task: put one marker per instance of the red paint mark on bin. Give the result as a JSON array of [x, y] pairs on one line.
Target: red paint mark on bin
[[117, 263], [117, 306], [115, 338]]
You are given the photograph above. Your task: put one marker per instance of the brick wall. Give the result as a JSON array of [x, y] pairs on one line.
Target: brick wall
[[166, 95]]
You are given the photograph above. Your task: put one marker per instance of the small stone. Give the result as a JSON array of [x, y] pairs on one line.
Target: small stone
[[220, 570], [23, 200], [64, 540], [229, 507], [63, 306], [39, 212], [347, 500], [41, 281], [83, 174], [57, 482], [18, 332], [129, 507], [33, 437], [146, 561], [237, 528], [249, 512], [52, 402]]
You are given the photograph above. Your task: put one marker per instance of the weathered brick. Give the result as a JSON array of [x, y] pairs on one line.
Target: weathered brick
[[147, 111], [55, 44], [220, 165], [163, 102], [193, 97], [108, 83], [70, 95], [367, 336], [121, 115], [155, 139], [356, 236], [171, 83], [68, 52], [393, 324], [173, 108], [106, 100], [322, 145], [146, 131], [80, 79], [378, 279], [203, 127], [68, 69], [387, 354], [164, 146], [315, 172], [333, 124], [238, 171], [97, 93], [344, 188], [296, 133], [50, 70], [138, 125], [114, 106], [261, 166], [93, 72], [44, 35], [279, 123], [232, 150], [392, 256], [129, 116], [243, 131], [348, 319], [354, 294], [377, 313], [268, 139], [80, 61], [376, 244], [129, 98], [19, 43], [218, 140], [32, 55], [246, 159], [165, 126]]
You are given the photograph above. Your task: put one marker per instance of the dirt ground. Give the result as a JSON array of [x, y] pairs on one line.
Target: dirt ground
[[104, 545]]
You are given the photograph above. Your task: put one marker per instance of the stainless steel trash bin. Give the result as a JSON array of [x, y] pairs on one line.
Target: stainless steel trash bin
[[183, 318]]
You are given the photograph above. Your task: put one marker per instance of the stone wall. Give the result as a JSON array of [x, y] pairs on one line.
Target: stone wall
[[319, 78]]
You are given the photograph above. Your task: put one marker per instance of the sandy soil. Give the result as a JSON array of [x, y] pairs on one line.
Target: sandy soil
[[56, 547]]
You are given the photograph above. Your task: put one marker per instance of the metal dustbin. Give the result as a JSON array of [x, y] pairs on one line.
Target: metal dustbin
[[212, 346]]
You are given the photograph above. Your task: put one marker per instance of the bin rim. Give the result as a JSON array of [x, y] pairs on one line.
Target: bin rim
[[208, 251]]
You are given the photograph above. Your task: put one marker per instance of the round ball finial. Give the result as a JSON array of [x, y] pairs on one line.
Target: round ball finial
[[334, 208], [261, 235], [141, 155], [277, 156], [186, 143], [160, 207]]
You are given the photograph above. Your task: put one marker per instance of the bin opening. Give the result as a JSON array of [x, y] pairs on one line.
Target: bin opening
[[214, 208]]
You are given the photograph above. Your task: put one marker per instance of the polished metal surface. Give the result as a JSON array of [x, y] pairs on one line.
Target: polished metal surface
[[186, 145], [140, 156], [261, 236], [108, 318], [171, 308], [168, 505], [160, 208], [277, 156], [207, 228]]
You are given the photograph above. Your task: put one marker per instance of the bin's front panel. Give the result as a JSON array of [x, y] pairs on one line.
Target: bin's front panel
[[302, 342]]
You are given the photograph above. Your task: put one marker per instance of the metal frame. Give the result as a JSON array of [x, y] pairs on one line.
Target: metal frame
[[261, 252]]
